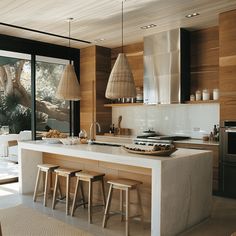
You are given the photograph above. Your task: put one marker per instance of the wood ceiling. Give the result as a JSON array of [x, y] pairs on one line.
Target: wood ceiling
[[96, 19]]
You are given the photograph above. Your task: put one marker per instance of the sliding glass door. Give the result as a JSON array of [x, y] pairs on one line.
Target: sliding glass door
[[51, 113], [15, 92]]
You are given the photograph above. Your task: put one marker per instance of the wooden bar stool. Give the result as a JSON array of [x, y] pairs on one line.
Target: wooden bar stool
[[47, 169], [90, 177], [68, 173], [123, 185]]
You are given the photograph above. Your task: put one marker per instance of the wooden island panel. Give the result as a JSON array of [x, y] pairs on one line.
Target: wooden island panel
[[112, 171]]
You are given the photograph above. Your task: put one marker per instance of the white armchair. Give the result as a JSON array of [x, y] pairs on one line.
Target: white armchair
[[12, 153]]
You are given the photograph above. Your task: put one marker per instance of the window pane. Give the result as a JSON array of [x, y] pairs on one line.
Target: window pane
[[15, 92], [51, 113]]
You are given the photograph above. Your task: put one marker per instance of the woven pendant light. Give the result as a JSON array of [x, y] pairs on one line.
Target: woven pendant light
[[69, 88], [121, 82]]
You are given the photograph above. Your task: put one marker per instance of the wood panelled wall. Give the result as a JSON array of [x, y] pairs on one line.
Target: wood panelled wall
[[103, 69], [95, 66], [134, 53], [227, 79], [87, 76], [205, 59], [96, 63]]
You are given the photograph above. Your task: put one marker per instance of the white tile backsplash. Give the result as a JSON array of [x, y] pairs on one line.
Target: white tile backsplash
[[179, 119]]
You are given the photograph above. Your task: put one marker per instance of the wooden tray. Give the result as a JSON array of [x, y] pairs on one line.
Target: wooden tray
[[150, 152]]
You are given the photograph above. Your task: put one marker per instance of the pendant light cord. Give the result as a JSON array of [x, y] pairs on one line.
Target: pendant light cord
[[122, 25], [69, 32], [69, 26]]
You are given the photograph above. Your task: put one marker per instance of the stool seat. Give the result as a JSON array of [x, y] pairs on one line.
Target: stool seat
[[127, 183], [90, 177], [48, 169], [67, 173], [45, 167]]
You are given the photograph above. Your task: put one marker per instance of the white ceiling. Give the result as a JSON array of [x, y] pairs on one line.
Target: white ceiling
[[95, 19]]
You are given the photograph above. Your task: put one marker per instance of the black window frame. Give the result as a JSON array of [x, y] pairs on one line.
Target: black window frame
[[38, 48]]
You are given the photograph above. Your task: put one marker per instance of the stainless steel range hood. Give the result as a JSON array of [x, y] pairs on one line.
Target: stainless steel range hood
[[166, 67]]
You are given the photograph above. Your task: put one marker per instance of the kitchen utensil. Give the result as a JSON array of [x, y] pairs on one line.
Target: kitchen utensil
[[119, 121], [215, 94], [82, 134]]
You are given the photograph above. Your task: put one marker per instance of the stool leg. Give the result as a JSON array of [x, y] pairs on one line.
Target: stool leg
[[127, 213], [55, 192], [121, 205], [140, 205], [46, 189], [67, 194], [103, 192], [90, 196], [75, 197], [82, 193], [108, 204], [36, 185], [59, 189]]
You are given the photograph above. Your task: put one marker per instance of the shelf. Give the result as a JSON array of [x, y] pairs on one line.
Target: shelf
[[142, 104], [201, 101], [123, 104]]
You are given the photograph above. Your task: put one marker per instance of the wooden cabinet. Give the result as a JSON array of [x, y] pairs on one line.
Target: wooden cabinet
[[95, 66], [227, 85], [215, 150]]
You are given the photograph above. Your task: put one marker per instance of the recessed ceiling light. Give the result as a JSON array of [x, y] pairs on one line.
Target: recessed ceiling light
[[99, 40], [192, 15], [148, 26]]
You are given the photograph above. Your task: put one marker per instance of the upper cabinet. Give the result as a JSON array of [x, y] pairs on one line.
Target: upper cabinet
[[227, 81]]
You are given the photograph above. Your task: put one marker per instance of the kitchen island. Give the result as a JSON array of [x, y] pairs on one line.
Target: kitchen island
[[180, 185]]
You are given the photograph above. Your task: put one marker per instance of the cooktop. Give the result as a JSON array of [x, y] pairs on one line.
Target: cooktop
[[170, 137], [164, 137]]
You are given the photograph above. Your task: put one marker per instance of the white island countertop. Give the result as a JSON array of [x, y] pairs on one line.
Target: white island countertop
[[181, 184]]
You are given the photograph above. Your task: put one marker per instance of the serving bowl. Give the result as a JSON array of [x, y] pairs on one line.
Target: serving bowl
[[51, 140], [70, 140]]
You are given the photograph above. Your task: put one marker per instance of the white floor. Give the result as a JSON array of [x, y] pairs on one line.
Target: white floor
[[221, 223], [8, 171]]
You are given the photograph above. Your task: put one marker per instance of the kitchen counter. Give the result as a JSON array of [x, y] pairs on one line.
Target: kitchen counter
[[129, 139], [181, 184], [198, 141], [123, 139]]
